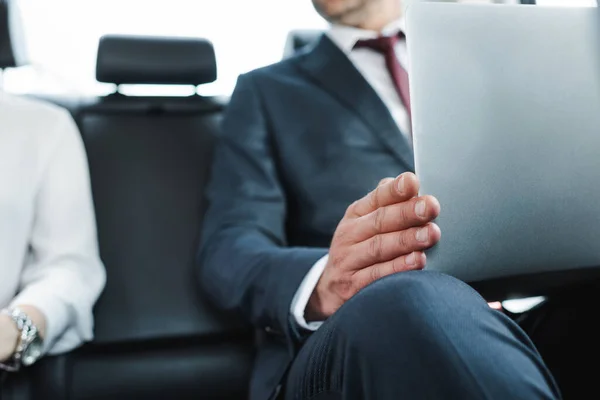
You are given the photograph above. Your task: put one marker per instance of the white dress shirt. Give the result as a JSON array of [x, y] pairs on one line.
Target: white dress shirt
[[48, 245], [371, 65]]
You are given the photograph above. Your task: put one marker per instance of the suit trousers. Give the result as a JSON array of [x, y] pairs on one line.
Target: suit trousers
[[419, 335]]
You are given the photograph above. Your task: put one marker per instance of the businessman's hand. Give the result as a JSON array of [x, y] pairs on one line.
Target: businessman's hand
[[383, 233]]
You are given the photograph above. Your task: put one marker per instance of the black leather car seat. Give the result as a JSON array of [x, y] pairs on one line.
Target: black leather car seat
[[12, 45], [149, 160]]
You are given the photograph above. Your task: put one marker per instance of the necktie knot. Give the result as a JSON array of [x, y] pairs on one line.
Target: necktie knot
[[381, 44]]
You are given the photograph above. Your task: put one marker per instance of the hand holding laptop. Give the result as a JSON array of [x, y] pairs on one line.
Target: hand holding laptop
[[383, 233]]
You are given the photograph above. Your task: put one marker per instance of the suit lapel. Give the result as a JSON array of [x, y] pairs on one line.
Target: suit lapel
[[333, 71]]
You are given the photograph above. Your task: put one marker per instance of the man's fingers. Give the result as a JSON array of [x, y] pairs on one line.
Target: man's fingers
[[400, 189], [409, 262], [397, 217], [388, 246], [385, 181]]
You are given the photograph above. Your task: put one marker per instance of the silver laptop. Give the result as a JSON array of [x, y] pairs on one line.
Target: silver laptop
[[506, 119]]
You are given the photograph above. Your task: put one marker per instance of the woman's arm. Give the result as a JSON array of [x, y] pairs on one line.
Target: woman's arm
[[63, 275]]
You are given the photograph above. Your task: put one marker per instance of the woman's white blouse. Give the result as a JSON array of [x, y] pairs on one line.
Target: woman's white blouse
[[48, 243]]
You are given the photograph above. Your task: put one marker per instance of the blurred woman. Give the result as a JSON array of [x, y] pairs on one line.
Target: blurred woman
[[50, 271]]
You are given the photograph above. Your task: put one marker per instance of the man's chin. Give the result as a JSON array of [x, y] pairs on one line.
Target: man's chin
[[339, 11]]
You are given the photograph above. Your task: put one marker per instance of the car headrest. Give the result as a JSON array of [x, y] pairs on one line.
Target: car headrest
[[12, 43], [155, 60], [299, 39]]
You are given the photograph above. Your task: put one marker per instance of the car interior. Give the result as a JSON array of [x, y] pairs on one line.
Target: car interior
[[156, 336]]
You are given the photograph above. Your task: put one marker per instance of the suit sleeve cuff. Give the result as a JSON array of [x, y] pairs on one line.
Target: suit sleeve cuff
[[305, 290]]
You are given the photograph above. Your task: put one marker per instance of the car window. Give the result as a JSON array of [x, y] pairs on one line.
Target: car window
[[62, 37]]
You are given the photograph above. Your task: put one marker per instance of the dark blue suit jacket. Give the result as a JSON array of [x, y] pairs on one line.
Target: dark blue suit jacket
[[302, 140]]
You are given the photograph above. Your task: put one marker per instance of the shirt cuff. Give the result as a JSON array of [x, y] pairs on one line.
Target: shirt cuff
[[54, 311], [305, 290]]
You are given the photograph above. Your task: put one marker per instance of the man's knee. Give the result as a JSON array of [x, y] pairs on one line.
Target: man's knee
[[429, 324], [408, 300]]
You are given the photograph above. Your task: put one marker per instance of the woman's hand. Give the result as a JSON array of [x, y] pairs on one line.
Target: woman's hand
[[9, 336]]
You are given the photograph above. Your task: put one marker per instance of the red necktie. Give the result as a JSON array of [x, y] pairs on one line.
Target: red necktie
[[385, 45]]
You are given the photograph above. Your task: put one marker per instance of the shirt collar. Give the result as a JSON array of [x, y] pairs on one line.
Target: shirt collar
[[345, 37]]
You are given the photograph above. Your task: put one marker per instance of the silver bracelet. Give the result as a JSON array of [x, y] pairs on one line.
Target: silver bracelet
[[29, 344]]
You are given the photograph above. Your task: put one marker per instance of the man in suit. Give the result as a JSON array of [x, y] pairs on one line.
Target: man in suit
[[322, 255]]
